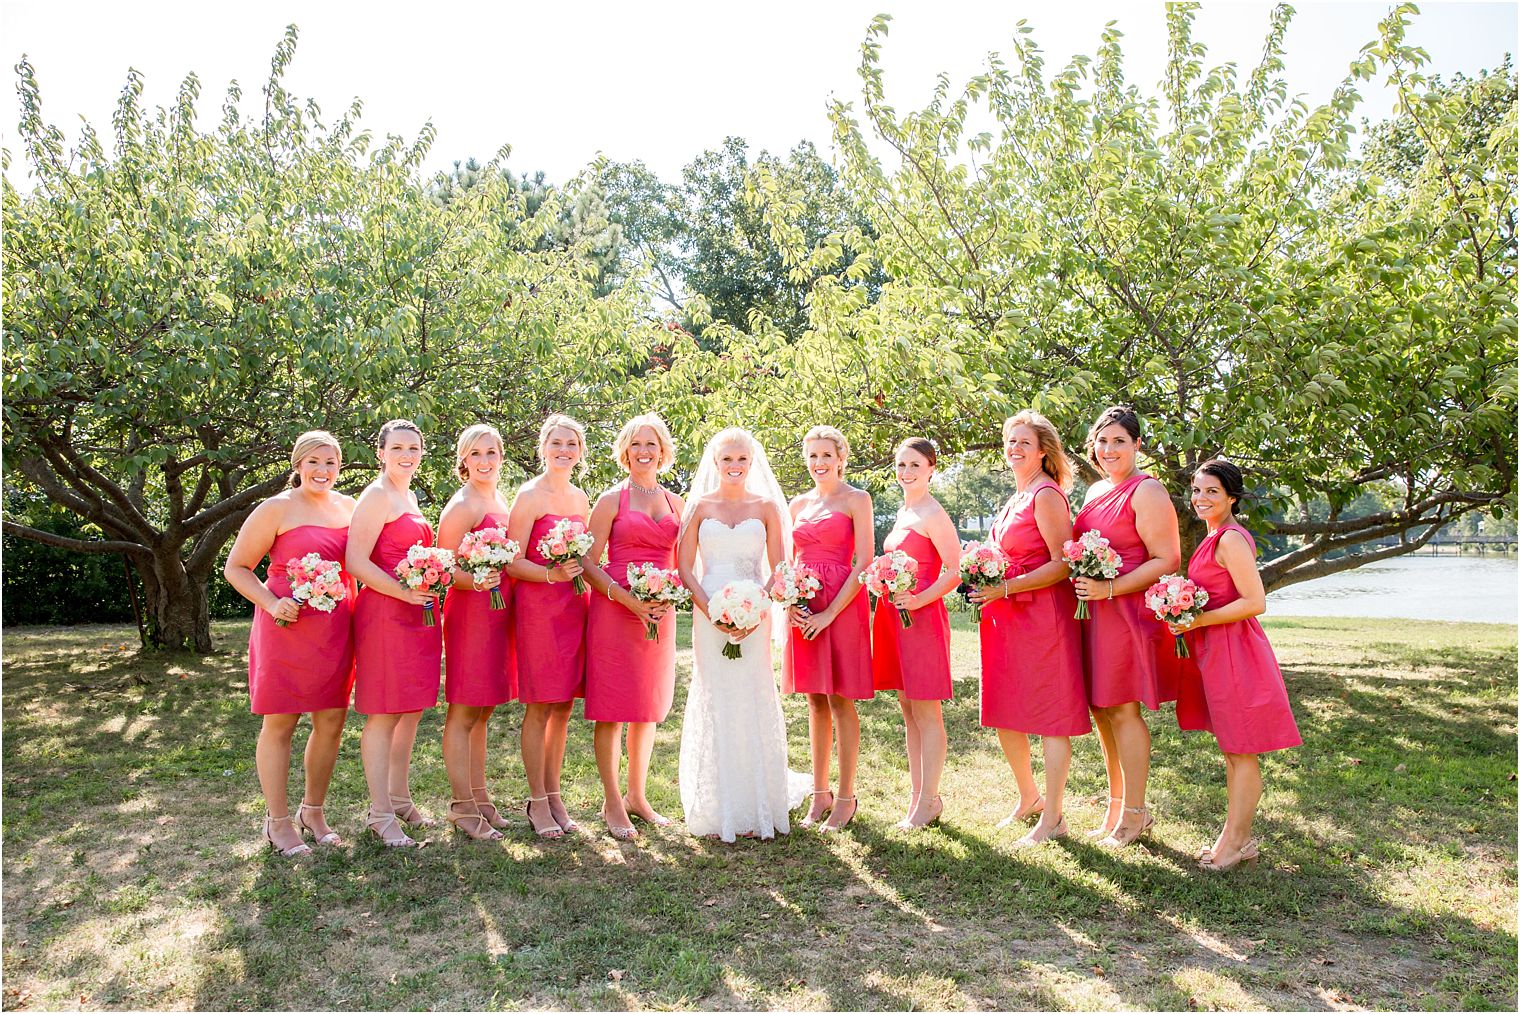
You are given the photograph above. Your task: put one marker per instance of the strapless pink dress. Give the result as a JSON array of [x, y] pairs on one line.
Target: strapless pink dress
[[838, 660], [628, 677], [1128, 652], [480, 664], [915, 660], [549, 631], [397, 656], [1031, 647], [1232, 685], [309, 665]]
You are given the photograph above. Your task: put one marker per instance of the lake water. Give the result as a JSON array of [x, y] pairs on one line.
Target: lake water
[[1416, 587]]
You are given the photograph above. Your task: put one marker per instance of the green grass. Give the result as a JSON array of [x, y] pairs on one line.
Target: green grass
[[133, 875]]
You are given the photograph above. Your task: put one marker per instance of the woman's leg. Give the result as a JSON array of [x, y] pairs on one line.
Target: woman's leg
[[607, 738], [1057, 766], [640, 750], [1243, 778], [915, 757], [1132, 741], [534, 730], [930, 720], [1110, 748], [321, 758], [271, 759], [556, 732], [820, 737], [1016, 752]]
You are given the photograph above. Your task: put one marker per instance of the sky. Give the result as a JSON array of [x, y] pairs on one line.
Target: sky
[[657, 82]]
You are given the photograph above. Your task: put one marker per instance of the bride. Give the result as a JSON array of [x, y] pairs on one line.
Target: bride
[[733, 776]]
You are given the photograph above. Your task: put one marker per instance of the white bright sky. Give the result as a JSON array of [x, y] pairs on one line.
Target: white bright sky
[[659, 82]]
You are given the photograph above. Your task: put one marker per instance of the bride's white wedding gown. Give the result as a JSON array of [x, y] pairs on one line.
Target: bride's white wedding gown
[[734, 779]]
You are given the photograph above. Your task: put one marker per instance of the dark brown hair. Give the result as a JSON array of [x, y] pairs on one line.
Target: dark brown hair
[[922, 446], [1121, 415], [391, 427], [1229, 475]]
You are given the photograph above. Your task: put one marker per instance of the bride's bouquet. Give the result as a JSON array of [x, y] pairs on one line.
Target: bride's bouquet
[[889, 574], [649, 583], [1090, 556], [1176, 599], [567, 540], [741, 605], [982, 566], [429, 569], [315, 582], [484, 552]]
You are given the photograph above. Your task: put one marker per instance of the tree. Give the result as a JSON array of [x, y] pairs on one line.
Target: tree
[[179, 308], [1216, 257]]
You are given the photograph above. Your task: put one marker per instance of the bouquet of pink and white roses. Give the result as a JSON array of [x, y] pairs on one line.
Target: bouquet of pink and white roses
[[741, 605], [1090, 556], [649, 583], [889, 574], [567, 540], [795, 585], [1176, 599], [982, 566], [484, 552], [315, 582], [429, 569]]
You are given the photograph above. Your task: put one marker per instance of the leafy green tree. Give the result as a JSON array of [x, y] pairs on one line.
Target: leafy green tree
[[180, 307], [1215, 256]]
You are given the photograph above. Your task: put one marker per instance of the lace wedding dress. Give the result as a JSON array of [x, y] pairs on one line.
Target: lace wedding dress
[[734, 779]]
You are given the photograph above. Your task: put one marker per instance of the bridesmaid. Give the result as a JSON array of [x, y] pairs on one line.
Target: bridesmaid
[[1124, 643], [1233, 688], [916, 661], [629, 678], [828, 655], [307, 666], [480, 666], [549, 621], [1031, 647], [396, 656]]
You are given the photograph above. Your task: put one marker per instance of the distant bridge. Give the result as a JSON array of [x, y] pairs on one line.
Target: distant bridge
[[1480, 544]]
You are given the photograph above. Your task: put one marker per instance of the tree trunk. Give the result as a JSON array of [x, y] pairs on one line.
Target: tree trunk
[[177, 603]]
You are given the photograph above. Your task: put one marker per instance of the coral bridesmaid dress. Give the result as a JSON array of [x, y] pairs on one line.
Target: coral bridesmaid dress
[[838, 660], [549, 630], [1031, 647], [628, 677], [480, 664], [915, 660], [397, 656], [1232, 685], [309, 665], [1128, 652]]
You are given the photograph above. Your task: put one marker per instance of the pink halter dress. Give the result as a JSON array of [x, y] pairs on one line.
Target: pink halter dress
[[1031, 648], [1232, 686], [309, 665], [630, 678], [1128, 652]]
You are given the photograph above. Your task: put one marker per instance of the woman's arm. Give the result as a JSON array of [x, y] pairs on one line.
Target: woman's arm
[[254, 540], [1054, 522], [1233, 553], [863, 517], [941, 532], [459, 518], [686, 559], [363, 531], [1156, 522]]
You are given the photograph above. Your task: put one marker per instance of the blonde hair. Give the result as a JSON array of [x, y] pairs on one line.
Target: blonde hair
[[471, 436], [553, 423], [736, 436], [1056, 464], [305, 444], [841, 444], [661, 434]]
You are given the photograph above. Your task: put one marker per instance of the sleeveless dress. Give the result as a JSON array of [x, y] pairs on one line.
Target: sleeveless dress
[[1031, 647], [915, 660], [479, 664], [630, 678], [1128, 652], [733, 773], [309, 665], [549, 630], [1232, 686], [838, 660], [396, 656]]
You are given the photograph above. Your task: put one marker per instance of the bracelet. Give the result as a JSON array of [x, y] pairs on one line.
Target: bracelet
[[1110, 590], [609, 586], [1005, 583], [548, 576]]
